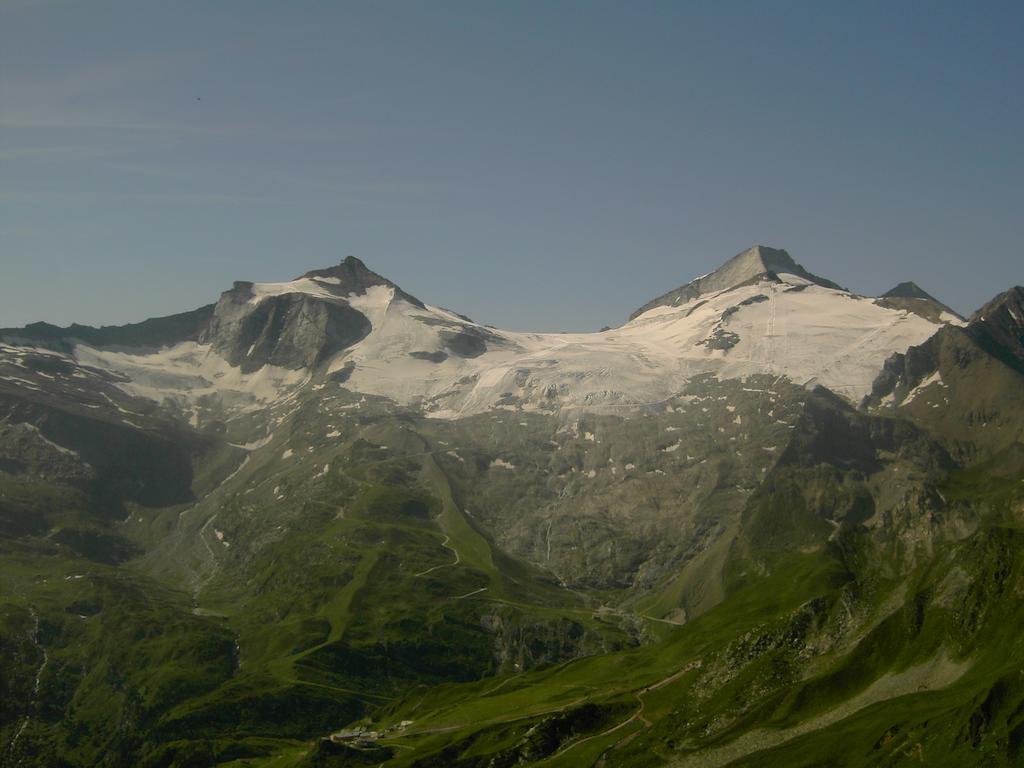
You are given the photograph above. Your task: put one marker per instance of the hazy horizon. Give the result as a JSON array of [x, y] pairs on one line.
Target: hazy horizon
[[536, 167]]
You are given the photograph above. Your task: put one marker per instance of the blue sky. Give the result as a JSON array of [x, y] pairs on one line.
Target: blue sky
[[545, 166]]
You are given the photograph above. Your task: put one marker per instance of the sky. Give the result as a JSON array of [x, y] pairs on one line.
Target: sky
[[535, 165]]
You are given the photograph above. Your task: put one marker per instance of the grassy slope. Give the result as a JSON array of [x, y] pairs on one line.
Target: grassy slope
[[333, 614], [948, 654], [354, 610]]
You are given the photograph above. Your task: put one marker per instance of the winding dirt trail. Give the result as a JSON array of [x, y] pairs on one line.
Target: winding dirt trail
[[638, 715], [446, 545]]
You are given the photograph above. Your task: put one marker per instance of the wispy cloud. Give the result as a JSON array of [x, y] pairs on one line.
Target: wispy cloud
[[228, 198], [74, 122], [45, 153], [184, 198], [28, 5]]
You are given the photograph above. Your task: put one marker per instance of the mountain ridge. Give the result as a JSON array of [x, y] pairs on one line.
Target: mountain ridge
[[760, 312], [352, 275], [337, 527]]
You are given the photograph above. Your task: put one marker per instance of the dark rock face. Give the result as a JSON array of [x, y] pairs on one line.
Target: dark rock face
[[844, 469], [834, 432], [291, 330], [971, 379], [906, 370], [112, 463], [721, 339], [295, 330], [343, 375], [998, 328]]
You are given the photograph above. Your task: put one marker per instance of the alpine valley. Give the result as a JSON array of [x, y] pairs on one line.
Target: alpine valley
[[766, 522]]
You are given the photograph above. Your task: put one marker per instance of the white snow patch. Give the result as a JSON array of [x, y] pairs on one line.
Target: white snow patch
[[241, 466], [187, 372], [255, 444], [935, 378], [306, 285]]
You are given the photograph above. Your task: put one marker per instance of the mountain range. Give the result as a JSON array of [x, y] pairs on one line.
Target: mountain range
[[766, 521]]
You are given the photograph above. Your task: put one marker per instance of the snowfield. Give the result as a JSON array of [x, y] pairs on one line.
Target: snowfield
[[812, 335], [311, 286], [795, 328]]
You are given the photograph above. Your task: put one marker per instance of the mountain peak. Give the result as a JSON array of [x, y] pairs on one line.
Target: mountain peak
[[351, 275], [350, 266], [746, 265], [764, 256], [751, 264], [913, 298], [908, 290], [296, 324]]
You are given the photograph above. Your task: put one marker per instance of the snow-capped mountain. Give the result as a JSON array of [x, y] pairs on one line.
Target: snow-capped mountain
[[744, 267], [760, 313], [274, 505]]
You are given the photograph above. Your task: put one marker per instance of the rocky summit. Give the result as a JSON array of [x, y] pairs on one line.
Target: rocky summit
[[752, 264], [765, 521]]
